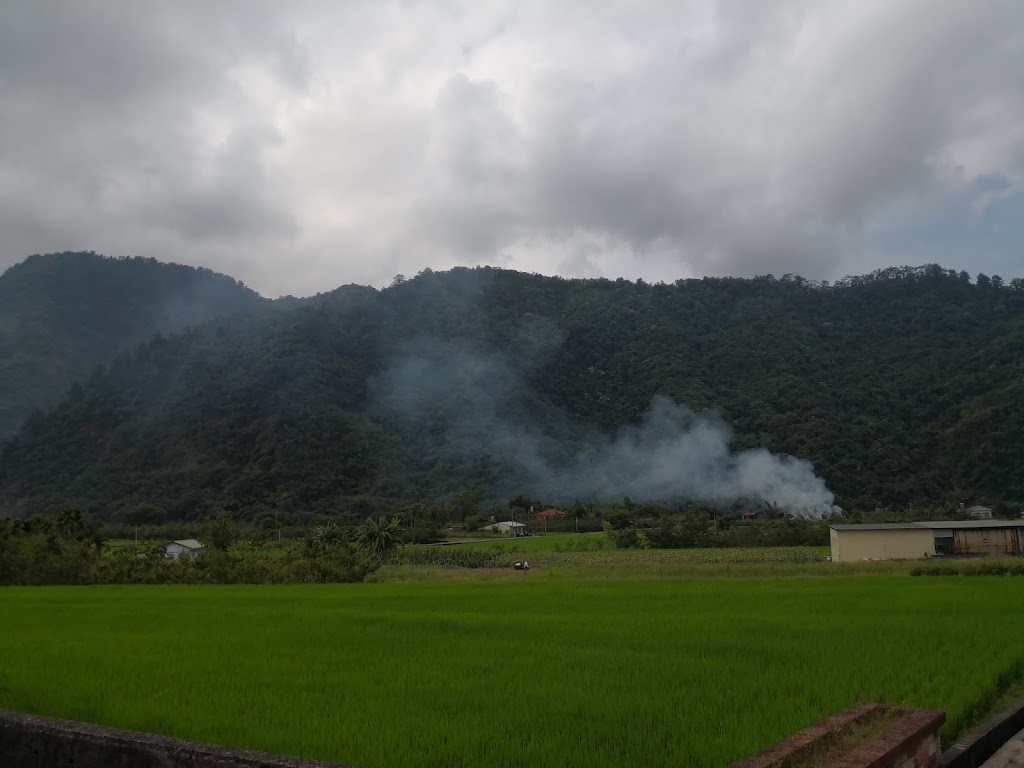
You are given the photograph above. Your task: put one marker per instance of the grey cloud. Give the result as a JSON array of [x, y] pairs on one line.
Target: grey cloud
[[652, 139], [781, 180], [229, 197]]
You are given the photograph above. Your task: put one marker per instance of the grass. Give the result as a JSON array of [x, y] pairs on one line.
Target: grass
[[588, 544], [582, 561], [546, 543], [525, 671]]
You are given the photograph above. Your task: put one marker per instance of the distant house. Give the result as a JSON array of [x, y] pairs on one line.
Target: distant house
[[979, 512], [507, 526], [186, 547], [548, 514]]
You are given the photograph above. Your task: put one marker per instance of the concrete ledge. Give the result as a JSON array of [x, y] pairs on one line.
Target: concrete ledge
[[33, 741], [985, 740], [912, 741]]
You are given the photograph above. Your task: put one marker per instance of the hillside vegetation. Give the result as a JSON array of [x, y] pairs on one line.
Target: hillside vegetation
[[63, 314], [903, 386]]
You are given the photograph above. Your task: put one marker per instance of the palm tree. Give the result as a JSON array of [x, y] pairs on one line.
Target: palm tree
[[327, 536], [379, 536]]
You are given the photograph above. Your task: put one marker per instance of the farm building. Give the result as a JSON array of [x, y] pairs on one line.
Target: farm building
[[914, 541], [507, 526], [186, 547], [882, 541], [979, 512]]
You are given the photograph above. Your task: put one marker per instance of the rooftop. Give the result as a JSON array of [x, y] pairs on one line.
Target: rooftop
[[949, 524], [188, 543], [876, 527], [934, 525]]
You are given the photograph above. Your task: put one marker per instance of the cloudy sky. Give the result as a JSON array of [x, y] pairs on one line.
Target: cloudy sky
[[301, 145]]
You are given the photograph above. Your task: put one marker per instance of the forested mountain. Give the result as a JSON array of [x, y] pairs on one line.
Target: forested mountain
[[905, 385], [62, 314]]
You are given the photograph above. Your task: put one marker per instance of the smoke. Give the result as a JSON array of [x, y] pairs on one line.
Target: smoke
[[678, 454], [674, 454]]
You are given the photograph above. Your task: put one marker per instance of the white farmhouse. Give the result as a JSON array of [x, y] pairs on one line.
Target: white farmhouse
[[186, 547], [979, 512], [507, 526]]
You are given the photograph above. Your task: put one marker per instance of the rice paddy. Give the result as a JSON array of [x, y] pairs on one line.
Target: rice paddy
[[507, 673]]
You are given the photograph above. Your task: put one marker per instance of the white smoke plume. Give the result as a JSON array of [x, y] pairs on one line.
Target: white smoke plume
[[674, 454], [678, 454]]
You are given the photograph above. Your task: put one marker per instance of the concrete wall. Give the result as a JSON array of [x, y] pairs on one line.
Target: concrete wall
[[992, 739], [892, 544], [31, 741]]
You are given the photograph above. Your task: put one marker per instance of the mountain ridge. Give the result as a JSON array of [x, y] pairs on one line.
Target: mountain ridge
[[62, 314], [904, 385]]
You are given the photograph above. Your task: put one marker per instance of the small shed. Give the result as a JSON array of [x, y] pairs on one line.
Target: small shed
[[880, 541], [183, 547], [507, 526], [978, 512]]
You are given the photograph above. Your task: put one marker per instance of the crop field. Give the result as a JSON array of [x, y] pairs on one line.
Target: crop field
[[599, 542], [520, 672], [546, 543]]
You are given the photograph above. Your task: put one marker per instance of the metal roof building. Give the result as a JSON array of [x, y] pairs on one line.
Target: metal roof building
[[911, 541]]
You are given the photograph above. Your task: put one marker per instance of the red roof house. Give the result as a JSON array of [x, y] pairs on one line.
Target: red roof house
[[549, 514]]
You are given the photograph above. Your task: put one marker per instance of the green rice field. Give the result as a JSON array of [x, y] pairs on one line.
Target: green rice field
[[546, 543], [507, 673]]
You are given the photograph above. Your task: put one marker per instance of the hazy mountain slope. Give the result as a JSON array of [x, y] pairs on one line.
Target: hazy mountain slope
[[64, 313], [904, 385]]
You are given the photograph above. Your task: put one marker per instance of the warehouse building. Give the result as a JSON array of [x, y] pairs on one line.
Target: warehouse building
[[881, 541], [915, 541]]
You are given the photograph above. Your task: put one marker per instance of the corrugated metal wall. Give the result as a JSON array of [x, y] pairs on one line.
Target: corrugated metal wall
[[987, 541]]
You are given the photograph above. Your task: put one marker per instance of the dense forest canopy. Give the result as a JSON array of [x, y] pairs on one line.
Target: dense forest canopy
[[63, 314], [906, 385]]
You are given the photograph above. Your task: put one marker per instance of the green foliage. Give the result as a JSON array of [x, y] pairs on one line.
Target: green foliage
[[985, 567], [220, 534], [327, 537], [380, 535], [41, 554], [695, 530], [452, 557], [901, 387], [63, 314]]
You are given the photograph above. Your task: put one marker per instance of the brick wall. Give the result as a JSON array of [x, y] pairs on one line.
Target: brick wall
[[912, 742], [31, 741]]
